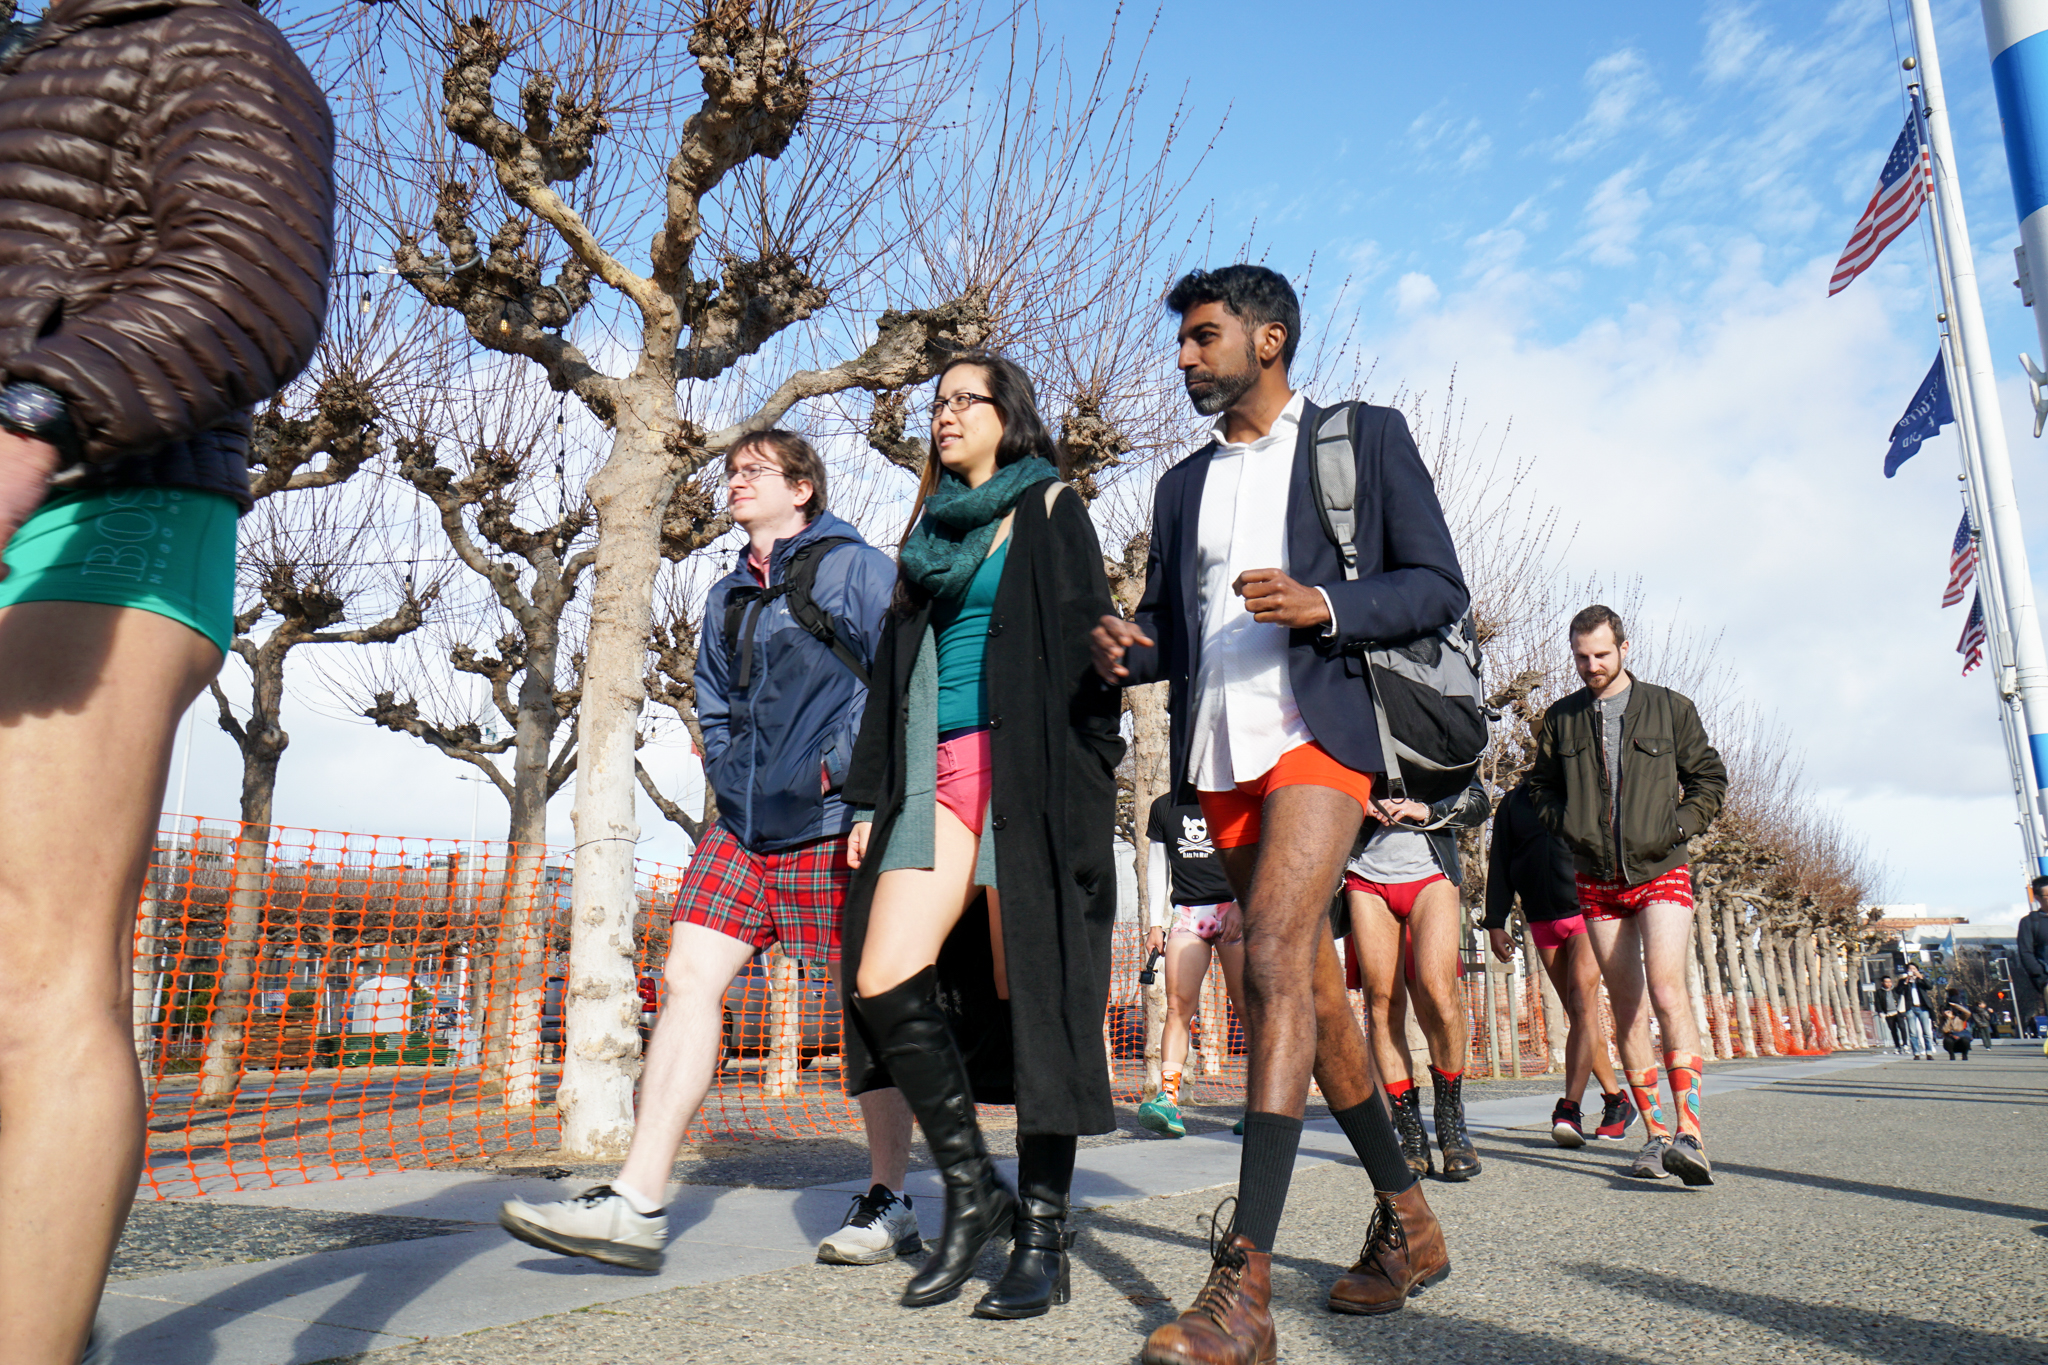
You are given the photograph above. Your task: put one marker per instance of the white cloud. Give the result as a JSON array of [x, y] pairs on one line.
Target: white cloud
[[1614, 219], [1726, 447], [1622, 91], [1414, 292], [1445, 141]]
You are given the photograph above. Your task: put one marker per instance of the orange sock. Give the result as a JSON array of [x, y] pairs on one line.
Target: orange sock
[[1685, 1089], [1643, 1085], [1169, 1086]]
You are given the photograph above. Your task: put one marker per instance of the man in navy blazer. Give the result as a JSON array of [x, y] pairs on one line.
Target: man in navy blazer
[[1248, 616]]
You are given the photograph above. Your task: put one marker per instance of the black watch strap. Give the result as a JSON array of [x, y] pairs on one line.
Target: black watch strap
[[39, 413]]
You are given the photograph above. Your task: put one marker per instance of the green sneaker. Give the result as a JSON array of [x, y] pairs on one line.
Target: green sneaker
[[1162, 1115], [1238, 1128]]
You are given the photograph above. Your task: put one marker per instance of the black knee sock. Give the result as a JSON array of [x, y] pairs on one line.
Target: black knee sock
[[1264, 1169], [1377, 1144]]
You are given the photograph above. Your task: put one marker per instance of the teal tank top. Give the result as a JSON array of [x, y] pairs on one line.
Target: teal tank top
[[963, 640]]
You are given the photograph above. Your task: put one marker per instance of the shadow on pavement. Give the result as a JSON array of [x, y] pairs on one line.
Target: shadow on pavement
[[1878, 1336], [1894, 1193]]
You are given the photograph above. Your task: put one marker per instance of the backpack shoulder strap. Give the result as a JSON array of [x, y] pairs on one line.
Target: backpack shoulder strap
[[797, 580], [1333, 475]]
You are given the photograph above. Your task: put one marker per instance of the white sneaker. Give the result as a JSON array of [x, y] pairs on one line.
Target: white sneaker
[[597, 1223], [879, 1227]]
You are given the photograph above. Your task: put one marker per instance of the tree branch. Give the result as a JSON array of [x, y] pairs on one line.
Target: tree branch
[[690, 824]]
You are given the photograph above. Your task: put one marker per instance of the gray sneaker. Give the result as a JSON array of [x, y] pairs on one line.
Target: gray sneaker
[[597, 1223], [879, 1227], [1685, 1159], [1649, 1163]]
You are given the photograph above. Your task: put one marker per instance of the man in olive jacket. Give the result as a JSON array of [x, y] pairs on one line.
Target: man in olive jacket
[[1625, 775]]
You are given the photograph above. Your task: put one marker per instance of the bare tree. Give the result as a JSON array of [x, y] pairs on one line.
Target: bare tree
[[303, 569]]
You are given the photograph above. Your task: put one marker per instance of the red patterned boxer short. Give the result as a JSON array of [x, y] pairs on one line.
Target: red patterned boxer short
[[1619, 900], [792, 897]]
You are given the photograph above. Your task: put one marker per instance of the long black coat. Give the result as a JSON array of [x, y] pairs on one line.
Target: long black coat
[[1054, 746]]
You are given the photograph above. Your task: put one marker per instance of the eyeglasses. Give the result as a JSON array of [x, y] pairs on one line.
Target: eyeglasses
[[752, 473], [959, 402]]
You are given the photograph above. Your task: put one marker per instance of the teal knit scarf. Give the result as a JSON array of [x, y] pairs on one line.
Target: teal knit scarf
[[959, 524]]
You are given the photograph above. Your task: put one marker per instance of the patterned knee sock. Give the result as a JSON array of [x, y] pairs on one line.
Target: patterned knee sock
[[1643, 1085], [1685, 1089], [1169, 1087]]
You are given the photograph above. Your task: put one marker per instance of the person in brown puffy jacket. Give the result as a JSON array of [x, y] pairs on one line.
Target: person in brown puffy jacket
[[166, 235]]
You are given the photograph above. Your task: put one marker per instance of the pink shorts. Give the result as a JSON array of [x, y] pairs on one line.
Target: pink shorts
[[964, 779], [1552, 934]]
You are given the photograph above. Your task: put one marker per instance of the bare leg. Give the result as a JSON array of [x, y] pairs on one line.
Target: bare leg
[[90, 696], [1187, 962], [1376, 938], [1618, 943], [1667, 944], [1344, 1065], [916, 908], [1285, 883], [1433, 929], [682, 1056], [1575, 971]]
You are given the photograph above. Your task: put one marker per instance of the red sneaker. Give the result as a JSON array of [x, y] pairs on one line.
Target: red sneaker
[[1617, 1113], [1567, 1125]]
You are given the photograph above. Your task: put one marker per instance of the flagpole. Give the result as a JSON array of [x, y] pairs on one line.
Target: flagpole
[[2005, 541]]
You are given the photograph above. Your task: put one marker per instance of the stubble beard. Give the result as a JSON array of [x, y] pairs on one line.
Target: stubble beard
[[1224, 389]]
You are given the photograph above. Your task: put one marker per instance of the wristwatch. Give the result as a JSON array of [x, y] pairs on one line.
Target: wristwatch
[[38, 413]]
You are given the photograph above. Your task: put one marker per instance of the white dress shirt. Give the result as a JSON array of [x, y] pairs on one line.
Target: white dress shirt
[[1245, 714]]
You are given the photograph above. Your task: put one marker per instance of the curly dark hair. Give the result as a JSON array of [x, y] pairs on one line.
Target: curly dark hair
[[1252, 293]]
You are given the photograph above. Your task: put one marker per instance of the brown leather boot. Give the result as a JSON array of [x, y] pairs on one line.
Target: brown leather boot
[[1229, 1322], [1403, 1252]]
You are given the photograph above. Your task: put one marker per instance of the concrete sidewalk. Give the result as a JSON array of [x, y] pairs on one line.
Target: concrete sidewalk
[[741, 1267]]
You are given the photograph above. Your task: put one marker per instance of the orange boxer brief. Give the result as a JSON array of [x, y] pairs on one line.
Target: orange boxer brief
[[1233, 816]]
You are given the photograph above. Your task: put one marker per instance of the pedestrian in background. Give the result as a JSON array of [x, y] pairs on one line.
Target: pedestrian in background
[[1917, 994], [2033, 941], [1955, 1029], [166, 180], [1185, 877], [1625, 775], [1526, 862], [1886, 1002]]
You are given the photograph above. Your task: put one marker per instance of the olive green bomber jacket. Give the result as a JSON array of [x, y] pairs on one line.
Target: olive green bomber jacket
[[1672, 782]]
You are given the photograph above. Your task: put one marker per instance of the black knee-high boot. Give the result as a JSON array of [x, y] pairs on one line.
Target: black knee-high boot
[[915, 1044], [1037, 1276]]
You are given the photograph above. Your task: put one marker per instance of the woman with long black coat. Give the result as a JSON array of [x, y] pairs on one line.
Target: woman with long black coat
[[977, 932]]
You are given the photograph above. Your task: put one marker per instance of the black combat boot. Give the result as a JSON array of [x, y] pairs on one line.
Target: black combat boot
[[1037, 1275]]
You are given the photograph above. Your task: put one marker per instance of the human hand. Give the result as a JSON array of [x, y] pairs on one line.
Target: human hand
[[857, 844], [1396, 812], [1155, 940], [1233, 926], [1503, 946], [1274, 599], [1109, 641], [25, 469]]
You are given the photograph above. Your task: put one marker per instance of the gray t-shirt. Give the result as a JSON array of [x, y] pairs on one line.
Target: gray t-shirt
[[1611, 711], [1394, 855]]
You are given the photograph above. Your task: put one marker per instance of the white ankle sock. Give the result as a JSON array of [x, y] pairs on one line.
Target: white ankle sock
[[636, 1201]]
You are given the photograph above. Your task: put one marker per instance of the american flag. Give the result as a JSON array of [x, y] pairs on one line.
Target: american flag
[[1962, 563], [1971, 646], [1906, 180]]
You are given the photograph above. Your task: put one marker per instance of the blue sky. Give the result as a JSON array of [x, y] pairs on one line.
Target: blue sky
[[1615, 223]]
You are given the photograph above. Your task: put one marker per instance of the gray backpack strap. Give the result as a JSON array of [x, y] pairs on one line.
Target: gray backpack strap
[[1335, 472]]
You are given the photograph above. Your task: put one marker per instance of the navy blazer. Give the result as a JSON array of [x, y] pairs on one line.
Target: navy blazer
[[1408, 583]]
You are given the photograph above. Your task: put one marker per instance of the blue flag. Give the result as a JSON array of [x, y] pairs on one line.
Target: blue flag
[[1927, 414]]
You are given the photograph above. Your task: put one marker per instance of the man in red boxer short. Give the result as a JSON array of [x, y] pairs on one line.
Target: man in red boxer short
[[779, 705], [1625, 775]]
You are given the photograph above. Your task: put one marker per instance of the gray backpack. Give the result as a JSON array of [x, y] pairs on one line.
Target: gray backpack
[[1426, 695]]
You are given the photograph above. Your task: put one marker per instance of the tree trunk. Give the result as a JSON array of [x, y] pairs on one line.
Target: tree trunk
[[1150, 741], [1696, 991], [1215, 1024], [785, 1025], [516, 989], [1717, 1000], [601, 1014], [1743, 1034], [142, 985], [1809, 987], [1777, 1010], [1761, 983], [228, 1021], [1513, 989]]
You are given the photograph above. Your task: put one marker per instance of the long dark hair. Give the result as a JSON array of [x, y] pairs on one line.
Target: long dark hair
[[1015, 401]]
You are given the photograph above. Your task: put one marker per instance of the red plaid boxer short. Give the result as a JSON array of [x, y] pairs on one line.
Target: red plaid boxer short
[[792, 897], [1619, 900]]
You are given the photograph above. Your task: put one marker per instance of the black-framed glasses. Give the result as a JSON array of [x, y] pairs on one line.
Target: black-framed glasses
[[959, 402]]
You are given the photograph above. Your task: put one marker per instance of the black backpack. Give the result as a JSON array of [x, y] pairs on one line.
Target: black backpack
[[1426, 696], [743, 606]]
